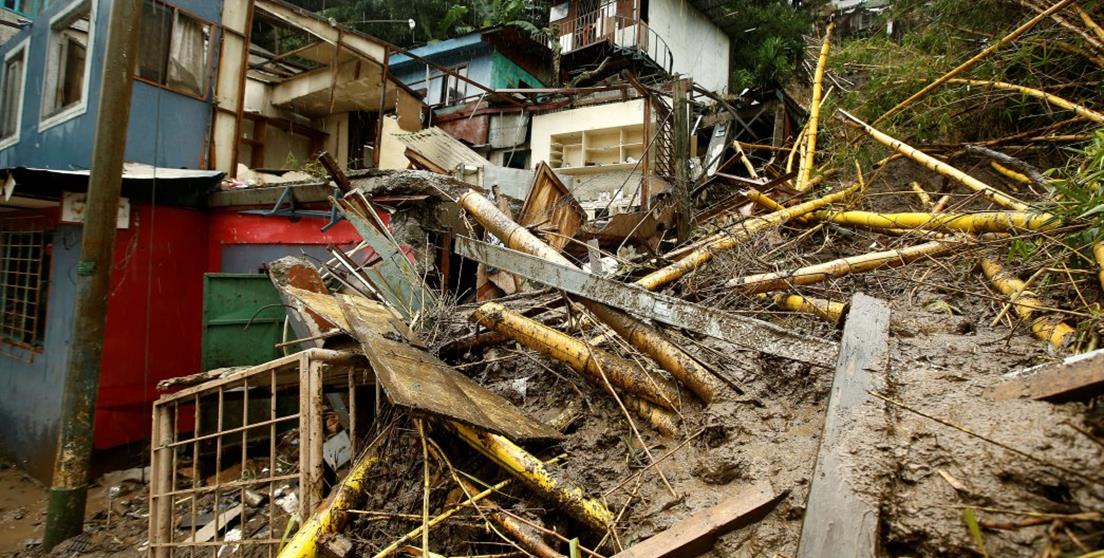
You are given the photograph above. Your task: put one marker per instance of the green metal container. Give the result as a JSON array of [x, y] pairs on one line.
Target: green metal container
[[243, 317]]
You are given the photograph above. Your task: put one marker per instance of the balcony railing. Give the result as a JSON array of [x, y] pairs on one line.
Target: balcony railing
[[605, 25]]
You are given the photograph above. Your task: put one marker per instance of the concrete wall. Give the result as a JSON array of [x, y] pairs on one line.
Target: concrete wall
[[166, 128], [576, 120], [699, 48]]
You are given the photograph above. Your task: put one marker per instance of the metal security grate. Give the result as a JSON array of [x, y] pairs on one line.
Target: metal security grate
[[24, 266]]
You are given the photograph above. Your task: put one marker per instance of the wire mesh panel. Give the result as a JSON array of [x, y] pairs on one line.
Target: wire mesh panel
[[24, 267], [235, 459]]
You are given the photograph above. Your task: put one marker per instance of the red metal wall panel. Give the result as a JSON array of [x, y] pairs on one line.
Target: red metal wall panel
[[231, 227]]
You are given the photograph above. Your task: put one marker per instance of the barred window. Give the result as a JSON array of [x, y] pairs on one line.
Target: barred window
[[24, 276]]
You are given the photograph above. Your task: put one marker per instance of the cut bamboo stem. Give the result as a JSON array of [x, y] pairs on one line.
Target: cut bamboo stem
[[1009, 173], [925, 199], [1015, 34], [1098, 255], [980, 222], [533, 474], [828, 310], [332, 514], [806, 167], [767, 282], [744, 159], [730, 239], [1048, 98], [1047, 328], [644, 338], [581, 357], [524, 535], [1089, 22], [939, 167], [941, 204]]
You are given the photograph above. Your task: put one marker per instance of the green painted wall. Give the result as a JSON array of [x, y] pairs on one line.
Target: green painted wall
[[506, 75]]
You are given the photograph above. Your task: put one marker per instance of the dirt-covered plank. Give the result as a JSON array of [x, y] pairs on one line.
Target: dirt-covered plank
[[838, 522], [1076, 377]]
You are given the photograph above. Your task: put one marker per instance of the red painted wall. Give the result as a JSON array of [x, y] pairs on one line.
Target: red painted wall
[[154, 316], [231, 227]]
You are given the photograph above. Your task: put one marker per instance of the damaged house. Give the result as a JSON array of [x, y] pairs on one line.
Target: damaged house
[[217, 105]]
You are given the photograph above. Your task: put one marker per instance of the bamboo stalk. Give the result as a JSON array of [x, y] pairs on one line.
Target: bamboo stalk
[[939, 167], [743, 159], [1047, 328], [533, 474], [828, 310], [647, 339], [1009, 173], [1089, 22], [525, 536], [767, 282], [747, 229], [941, 204], [806, 167], [925, 199], [980, 222], [332, 514], [580, 356], [1015, 34], [1098, 255], [1049, 98]]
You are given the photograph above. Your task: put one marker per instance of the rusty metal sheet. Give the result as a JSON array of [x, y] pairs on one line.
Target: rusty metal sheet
[[415, 379], [441, 150], [379, 317]]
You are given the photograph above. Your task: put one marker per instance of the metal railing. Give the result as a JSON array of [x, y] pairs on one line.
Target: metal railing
[[605, 25]]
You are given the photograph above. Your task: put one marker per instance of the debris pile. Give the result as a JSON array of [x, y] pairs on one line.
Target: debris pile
[[820, 368]]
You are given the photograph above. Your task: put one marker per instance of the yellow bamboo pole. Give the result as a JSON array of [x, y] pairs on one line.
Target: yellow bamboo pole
[[533, 474], [524, 535], [829, 310], [332, 515], [937, 166], [1047, 328], [806, 167], [767, 282], [941, 204], [583, 358], [1015, 34], [1089, 22], [1009, 173], [925, 199], [1079, 110], [979, 222], [645, 338], [1098, 255], [727, 240], [763, 200], [743, 159]]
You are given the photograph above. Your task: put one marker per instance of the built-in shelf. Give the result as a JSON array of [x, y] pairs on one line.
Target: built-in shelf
[[598, 150]]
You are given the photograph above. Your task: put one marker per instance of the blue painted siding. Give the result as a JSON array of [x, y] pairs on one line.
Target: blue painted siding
[[32, 390], [166, 128]]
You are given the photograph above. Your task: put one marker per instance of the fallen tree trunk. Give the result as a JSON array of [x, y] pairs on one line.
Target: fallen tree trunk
[[729, 239], [767, 282], [1047, 328], [980, 222], [937, 166]]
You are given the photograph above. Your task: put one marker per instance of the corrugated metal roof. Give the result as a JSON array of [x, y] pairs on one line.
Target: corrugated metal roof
[[441, 149]]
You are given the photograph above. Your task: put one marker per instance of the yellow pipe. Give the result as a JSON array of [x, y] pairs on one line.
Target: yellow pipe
[[532, 472], [1047, 328], [331, 517], [727, 240], [939, 167], [583, 358], [806, 167], [979, 222], [767, 282]]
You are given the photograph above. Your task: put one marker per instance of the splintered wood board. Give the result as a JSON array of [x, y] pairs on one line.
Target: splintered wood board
[[1077, 377], [415, 379], [328, 306]]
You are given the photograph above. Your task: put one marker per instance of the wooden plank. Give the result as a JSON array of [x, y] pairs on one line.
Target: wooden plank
[[696, 534], [415, 379], [1077, 377], [551, 208], [838, 522]]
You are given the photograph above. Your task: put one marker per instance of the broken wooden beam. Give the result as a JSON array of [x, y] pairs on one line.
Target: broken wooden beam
[[1076, 378], [838, 521], [695, 534], [748, 333]]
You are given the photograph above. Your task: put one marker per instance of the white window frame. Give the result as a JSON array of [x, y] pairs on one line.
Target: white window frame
[[81, 107], [22, 47]]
